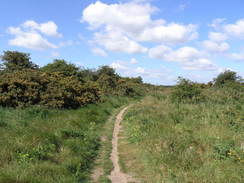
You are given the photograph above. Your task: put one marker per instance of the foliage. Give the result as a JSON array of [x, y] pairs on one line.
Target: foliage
[[28, 87], [227, 77], [59, 84], [62, 67], [14, 60], [186, 91]]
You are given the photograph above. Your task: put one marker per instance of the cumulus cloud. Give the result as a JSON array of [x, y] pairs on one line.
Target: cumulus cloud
[[212, 46], [48, 28], [169, 33], [126, 68], [99, 52], [28, 35], [31, 40], [217, 36], [190, 58], [126, 24], [115, 41], [237, 56], [217, 23], [236, 29], [119, 65]]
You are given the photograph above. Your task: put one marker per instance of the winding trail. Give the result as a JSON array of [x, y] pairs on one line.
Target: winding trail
[[116, 175]]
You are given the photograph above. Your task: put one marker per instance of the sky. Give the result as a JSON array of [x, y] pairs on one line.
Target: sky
[[158, 40]]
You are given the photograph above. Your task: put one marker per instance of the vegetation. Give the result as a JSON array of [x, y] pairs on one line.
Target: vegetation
[[52, 120], [177, 141], [43, 145], [45, 134], [58, 84]]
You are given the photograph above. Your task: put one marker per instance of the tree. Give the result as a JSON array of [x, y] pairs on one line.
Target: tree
[[14, 60], [61, 66], [227, 77]]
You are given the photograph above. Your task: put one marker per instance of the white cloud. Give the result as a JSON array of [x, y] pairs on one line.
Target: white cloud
[[236, 29], [99, 52], [140, 70], [128, 16], [217, 36], [190, 58], [217, 23], [49, 28], [183, 54], [28, 35], [171, 33], [237, 56], [114, 41], [133, 61], [123, 25], [215, 47], [200, 64], [31, 40], [128, 70], [119, 65], [159, 52]]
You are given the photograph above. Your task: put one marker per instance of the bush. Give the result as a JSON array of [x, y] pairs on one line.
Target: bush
[[227, 77], [186, 91], [30, 87]]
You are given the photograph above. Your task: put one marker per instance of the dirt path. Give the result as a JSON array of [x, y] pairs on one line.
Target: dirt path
[[116, 175]]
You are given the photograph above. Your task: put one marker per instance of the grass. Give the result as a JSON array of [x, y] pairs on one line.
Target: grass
[[47, 146], [182, 142]]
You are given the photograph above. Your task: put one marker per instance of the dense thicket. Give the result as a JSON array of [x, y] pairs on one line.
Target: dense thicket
[[59, 84]]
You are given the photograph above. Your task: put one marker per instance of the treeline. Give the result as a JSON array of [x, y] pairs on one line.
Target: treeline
[[59, 84]]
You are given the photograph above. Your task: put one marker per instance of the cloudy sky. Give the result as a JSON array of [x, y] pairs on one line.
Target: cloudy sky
[[156, 39]]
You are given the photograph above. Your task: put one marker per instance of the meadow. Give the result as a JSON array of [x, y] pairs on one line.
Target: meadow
[[200, 141], [40, 145]]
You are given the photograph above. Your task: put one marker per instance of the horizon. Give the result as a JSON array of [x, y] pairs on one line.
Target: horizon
[[158, 41]]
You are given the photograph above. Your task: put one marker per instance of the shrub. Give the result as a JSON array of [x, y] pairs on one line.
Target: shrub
[[186, 91], [14, 60], [227, 77], [29, 87]]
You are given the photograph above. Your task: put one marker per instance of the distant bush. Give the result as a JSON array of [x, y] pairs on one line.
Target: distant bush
[[227, 78], [186, 91]]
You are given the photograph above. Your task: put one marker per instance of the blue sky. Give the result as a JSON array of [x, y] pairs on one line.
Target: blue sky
[[156, 39]]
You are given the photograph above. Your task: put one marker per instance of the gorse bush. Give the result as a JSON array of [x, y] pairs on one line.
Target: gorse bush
[[186, 91], [28, 87], [58, 84]]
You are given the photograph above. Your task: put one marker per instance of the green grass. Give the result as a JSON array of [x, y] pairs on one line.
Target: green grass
[[181, 142], [39, 145]]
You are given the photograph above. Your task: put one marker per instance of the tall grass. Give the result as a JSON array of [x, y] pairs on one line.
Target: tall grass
[[50, 146], [187, 142]]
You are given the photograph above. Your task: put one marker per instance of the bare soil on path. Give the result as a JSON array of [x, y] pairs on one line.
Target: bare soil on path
[[116, 175]]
